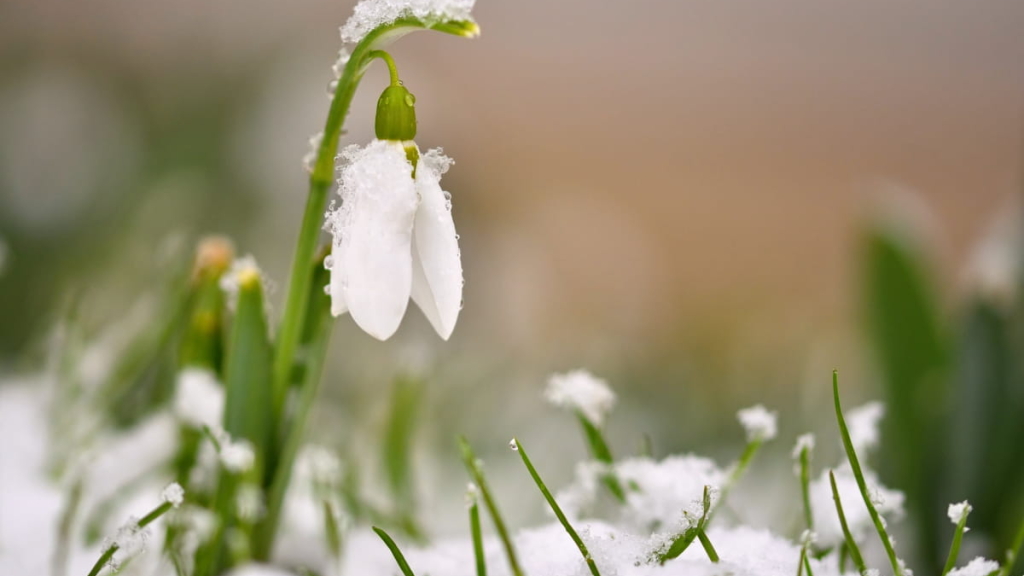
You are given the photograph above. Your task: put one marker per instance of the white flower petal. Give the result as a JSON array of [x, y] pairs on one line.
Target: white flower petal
[[437, 264], [371, 274]]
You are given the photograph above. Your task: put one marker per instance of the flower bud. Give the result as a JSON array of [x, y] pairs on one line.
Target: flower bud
[[396, 114]]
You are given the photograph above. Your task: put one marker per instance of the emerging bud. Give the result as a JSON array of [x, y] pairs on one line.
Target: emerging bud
[[396, 114]]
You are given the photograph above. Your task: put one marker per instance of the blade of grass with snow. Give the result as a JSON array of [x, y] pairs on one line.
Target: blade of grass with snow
[[475, 469], [518, 447], [858, 474]]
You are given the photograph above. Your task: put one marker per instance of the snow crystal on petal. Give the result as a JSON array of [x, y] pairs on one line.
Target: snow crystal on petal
[[370, 14], [977, 567], [759, 423], [582, 391]]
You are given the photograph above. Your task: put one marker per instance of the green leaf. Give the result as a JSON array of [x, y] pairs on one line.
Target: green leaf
[[398, 441], [399, 557], [912, 353], [247, 406]]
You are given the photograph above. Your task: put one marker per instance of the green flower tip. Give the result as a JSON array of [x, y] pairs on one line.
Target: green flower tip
[[396, 114]]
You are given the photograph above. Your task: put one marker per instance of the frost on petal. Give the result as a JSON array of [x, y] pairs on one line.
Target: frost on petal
[[369, 14], [863, 423], [436, 260], [371, 264], [198, 398], [759, 423], [581, 391], [977, 567]]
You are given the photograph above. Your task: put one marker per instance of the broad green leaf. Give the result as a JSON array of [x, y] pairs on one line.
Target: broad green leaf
[[247, 405]]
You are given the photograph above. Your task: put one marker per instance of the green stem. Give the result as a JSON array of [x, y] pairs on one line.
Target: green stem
[[851, 455], [392, 68], [556, 508], [851, 545], [954, 548], [473, 466]]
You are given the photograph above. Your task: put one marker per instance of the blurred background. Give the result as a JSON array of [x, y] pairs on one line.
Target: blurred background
[[710, 204]]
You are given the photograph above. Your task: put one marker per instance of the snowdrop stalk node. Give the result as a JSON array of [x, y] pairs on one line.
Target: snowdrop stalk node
[[474, 467], [858, 474], [518, 447]]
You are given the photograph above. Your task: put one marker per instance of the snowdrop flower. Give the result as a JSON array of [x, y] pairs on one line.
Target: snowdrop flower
[[583, 392], [394, 237]]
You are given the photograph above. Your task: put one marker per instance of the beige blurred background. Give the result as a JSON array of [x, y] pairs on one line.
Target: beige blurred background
[[630, 175]]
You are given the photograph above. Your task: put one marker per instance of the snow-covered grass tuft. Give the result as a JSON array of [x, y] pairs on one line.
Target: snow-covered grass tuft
[[759, 423], [582, 392]]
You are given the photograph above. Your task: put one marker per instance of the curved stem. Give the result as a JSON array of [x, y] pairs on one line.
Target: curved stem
[[392, 68]]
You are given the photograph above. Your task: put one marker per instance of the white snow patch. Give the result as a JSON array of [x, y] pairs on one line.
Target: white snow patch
[[580, 390]]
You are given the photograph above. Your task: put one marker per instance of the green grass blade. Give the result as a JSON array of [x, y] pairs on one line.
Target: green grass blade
[[315, 339], [805, 486], [477, 533], [399, 433], [600, 451], [683, 541], [954, 547], [912, 350], [850, 549], [709, 549], [399, 557], [473, 466], [247, 403], [858, 474], [1013, 551], [518, 447], [332, 532]]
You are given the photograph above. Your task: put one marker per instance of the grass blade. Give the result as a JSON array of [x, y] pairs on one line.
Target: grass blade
[[474, 528], [600, 451], [399, 558], [683, 541], [556, 508], [473, 465], [850, 548], [958, 535], [858, 474]]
